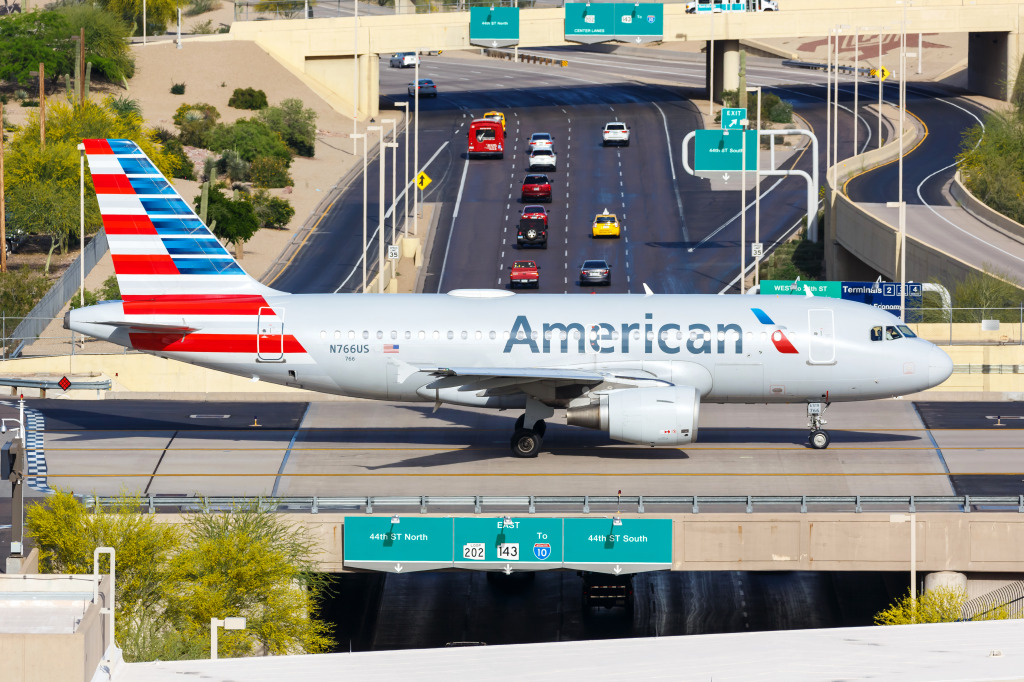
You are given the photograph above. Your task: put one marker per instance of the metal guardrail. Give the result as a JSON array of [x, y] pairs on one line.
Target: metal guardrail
[[586, 504], [796, 63], [18, 382]]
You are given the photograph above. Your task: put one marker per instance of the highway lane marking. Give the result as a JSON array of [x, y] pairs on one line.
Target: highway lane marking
[[163, 454], [888, 163], [451, 230]]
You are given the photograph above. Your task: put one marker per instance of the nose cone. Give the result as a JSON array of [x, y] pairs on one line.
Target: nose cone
[[940, 366]]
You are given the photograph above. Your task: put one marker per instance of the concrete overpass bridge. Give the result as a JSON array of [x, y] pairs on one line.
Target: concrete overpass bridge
[[322, 51]]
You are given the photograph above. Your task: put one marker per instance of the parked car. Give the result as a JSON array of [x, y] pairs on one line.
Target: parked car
[[532, 232], [403, 60], [537, 188], [615, 132], [543, 159], [524, 273], [426, 86], [595, 272]]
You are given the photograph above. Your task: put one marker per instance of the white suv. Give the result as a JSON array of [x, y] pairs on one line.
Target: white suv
[[615, 133], [542, 159], [404, 59]]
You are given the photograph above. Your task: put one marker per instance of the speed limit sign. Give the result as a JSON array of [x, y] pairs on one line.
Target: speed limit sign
[[757, 249], [393, 252]]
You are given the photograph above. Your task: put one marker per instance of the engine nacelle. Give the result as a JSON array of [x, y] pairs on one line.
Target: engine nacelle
[[664, 415]]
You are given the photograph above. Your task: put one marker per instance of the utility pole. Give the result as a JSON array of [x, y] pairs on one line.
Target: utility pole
[[81, 67], [42, 105], [3, 221]]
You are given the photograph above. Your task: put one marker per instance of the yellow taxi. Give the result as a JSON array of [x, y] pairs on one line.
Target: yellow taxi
[[496, 116], [605, 225]]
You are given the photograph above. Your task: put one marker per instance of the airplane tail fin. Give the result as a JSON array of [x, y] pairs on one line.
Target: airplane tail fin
[[161, 249]]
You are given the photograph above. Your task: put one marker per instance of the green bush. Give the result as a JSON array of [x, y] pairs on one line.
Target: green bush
[[235, 219], [122, 105], [195, 121], [233, 165], [775, 110], [178, 89], [248, 98], [251, 139], [20, 290], [295, 124], [185, 170], [203, 28], [90, 299], [271, 211], [197, 7], [106, 40], [110, 291], [30, 103], [992, 162], [269, 172]]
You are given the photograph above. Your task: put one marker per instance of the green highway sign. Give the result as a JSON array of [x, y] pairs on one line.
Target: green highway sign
[[412, 544], [639, 23], [722, 150], [785, 287], [732, 119], [589, 23], [493, 26], [597, 544], [512, 544]]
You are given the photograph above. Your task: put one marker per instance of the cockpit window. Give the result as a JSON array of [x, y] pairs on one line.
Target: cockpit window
[[876, 333], [907, 331], [891, 334]]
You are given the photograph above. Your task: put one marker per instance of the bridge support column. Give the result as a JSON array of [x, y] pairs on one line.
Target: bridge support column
[[993, 60], [945, 579], [727, 67]]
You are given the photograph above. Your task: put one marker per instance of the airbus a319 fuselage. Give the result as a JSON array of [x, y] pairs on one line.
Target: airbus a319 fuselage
[[636, 366]]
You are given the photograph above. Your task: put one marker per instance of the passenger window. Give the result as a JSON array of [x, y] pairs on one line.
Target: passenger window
[[465, 335], [479, 335], [422, 334], [492, 335], [891, 334], [876, 333], [394, 334], [451, 335], [380, 334], [408, 334], [323, 335], [351, 334], [534, 335], [436, 334], [337, 335], [635, 335], [366, 334]]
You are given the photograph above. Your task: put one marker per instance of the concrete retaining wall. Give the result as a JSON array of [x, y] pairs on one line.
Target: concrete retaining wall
[[979, 210]]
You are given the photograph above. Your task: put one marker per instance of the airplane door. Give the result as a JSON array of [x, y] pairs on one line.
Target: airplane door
[[822, 350], [270, 335]]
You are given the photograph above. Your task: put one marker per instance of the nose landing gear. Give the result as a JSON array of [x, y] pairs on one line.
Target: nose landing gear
[[525, 441], [818, 438]]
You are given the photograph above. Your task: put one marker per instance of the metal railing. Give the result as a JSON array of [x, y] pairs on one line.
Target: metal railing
[[576, 504]]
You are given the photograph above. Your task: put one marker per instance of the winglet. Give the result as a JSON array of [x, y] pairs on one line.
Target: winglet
[[807, 291], [647, 290]]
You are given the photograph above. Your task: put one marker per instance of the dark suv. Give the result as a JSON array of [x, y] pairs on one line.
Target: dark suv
[[532, 232], [537, 188]]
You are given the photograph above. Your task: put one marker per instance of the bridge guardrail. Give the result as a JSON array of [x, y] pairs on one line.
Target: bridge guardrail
[[585, 504]]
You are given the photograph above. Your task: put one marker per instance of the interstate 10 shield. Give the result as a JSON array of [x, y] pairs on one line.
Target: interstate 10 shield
[[505, 543]]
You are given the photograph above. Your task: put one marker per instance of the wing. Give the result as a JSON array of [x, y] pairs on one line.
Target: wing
[[550, 385]]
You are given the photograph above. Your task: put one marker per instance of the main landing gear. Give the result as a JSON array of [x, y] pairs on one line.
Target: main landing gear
[[818, 438], [526, 442]]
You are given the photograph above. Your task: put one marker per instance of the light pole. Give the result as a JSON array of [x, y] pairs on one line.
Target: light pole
[[229, 623], [757, 194], [355, 77], [828, 103], [903, 206], [380, 211], [405, 185], [416, 150], [357, 137], [835, 117], [743, 207], [711, 78], [881, 85], [394, 170], [81, 221]]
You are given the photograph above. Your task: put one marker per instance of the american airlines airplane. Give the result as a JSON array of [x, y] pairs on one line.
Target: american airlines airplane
[[636, 366]]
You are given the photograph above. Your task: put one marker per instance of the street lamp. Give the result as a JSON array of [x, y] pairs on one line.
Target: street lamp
[[366, 140], [355, 76], [903, 116], [711, 77], [416, 149], [757, 193], [405, 185], [229, 623], [380, 209], [81, 221], [394, 170]]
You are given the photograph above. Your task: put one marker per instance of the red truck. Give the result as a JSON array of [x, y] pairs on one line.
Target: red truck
[[524, 274]]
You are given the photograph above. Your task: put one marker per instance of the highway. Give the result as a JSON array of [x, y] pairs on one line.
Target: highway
[[679, 236]]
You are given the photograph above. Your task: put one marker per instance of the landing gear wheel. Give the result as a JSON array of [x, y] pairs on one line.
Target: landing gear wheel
[[526, 443], [819, 440]]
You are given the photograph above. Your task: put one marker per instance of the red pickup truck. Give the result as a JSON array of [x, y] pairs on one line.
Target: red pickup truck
[[524, 274]]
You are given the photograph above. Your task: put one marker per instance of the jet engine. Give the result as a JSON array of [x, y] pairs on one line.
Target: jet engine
[[664, 415]]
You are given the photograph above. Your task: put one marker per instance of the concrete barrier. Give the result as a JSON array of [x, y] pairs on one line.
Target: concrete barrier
[[979, 210]]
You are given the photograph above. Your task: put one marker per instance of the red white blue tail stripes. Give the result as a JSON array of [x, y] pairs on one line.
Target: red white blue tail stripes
[[158, 243], [184, 296]]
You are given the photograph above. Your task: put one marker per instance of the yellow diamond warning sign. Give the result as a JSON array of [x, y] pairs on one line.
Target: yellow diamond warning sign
[[422, 180], [883, 74]]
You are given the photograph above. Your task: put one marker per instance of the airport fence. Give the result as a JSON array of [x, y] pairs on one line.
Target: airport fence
[[257, 10], [577, 504], [42, 336]]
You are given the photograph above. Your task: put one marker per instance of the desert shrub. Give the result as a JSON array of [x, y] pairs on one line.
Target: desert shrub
[[247, 98], [251, 139], [163, 135], [178, 89], [209, 168], [30, 103], [185, 169], [295, 124], [122, 105], [269, 172], [195, 121], [235, 218], [271, 211], [202, 28], [20, 290], [197, 7], [774, 109], [992, 162], [106, 44], [233, 165]]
